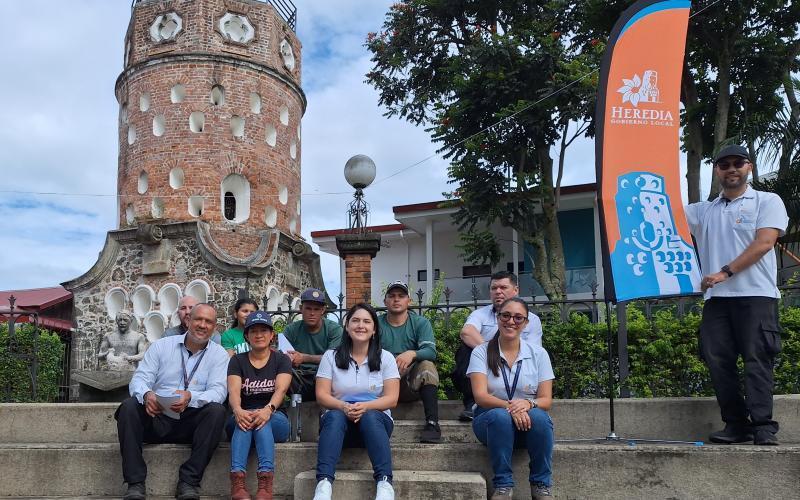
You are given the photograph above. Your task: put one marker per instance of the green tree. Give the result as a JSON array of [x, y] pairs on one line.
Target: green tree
[[458, 68], [738, 56]]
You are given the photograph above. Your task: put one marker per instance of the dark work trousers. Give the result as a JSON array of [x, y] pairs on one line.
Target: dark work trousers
[[459, 375], [200, 427], [746, 327], [304, 383]]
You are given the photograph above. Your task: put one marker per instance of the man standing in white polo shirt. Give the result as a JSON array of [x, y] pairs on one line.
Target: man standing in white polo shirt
[[736, 235], [481, 326]]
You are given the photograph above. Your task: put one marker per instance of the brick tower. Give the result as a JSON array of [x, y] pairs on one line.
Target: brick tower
[[208, 175]]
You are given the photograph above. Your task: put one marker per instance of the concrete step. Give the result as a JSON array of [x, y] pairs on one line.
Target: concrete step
[[408, 485], [679, 419], [598, 471], [685, 419], [453, 431]]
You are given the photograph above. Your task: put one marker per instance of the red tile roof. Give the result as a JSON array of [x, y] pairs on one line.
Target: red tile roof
[[36, 298]]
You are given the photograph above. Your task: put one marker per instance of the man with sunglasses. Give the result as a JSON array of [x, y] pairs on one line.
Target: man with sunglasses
[[736, 235], [481, 326]]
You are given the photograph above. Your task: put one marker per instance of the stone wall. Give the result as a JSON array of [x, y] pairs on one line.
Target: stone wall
[[118, 281]]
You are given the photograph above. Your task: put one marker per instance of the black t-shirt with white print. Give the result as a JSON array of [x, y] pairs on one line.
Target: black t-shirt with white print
[[258, 384]]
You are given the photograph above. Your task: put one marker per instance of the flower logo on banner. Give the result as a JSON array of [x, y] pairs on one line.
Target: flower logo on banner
[[635, 90]]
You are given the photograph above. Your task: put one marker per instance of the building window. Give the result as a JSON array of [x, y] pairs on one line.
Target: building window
[[520, 265], [422, 274], [481, 270]]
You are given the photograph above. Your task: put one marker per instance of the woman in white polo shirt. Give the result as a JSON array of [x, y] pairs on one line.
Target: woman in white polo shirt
[[512, 382], [357, 384]]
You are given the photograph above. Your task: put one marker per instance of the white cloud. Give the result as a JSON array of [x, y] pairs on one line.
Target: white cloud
[[60, 131]]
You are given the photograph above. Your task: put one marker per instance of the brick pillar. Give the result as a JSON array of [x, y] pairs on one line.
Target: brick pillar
[[358, 250]]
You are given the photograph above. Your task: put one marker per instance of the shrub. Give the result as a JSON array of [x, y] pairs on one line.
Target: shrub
[[16, 362], [662, 351]]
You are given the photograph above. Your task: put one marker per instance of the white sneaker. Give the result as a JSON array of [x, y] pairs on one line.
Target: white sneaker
[[324, 490], [384, 491]]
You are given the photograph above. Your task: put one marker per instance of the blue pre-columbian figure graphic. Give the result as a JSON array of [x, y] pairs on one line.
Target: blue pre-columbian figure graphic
[[650, 259]]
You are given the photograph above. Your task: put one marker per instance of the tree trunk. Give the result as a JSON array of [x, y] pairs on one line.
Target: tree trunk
[[693, 135], [548, 248], [789, 140], [723, 105]]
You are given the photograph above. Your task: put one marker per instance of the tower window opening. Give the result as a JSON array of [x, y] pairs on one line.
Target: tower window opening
[[217, 95], [230, 206], [235, 198]]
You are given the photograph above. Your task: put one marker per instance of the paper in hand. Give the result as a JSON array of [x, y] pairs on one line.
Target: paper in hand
[[283, 344], [165, 401]]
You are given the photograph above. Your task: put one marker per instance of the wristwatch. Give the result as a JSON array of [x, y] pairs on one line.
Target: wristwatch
[[727, 270], [533, 403], [271, 407]]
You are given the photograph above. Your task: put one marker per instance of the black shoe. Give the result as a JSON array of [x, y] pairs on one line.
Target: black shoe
[[431, 434], [136, 491], [187, 491], [466, 415], [732, 433], [763, 437]]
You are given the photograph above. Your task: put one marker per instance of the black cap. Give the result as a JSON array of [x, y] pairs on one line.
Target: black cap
[[257, 318], [734, 150], [397, 284]]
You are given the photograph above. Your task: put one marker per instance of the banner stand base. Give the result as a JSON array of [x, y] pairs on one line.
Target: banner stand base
[[612, 437]]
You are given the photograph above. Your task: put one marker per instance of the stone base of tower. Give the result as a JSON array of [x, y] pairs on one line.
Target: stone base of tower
[[147, 269]]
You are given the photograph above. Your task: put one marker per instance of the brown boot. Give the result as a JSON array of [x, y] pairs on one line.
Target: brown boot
[[238, 486], [264, 486]]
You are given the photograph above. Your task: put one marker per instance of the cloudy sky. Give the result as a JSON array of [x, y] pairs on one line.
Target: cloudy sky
[[59, 132]]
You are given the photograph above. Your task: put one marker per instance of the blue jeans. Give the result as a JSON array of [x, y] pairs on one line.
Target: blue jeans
[[371, 432], [274, 431], [495, 429]]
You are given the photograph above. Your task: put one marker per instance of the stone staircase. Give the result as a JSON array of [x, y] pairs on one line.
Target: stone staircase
[[70, 451]]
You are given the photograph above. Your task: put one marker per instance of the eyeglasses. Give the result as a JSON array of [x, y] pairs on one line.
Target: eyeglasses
[[725, 165], [518, 319]]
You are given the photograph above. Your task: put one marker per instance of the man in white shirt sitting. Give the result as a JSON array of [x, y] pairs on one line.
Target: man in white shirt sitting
[[481, 326], [193, 371]]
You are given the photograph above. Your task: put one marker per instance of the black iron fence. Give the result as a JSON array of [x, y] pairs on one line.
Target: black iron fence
[[449, 316], [34, 365]]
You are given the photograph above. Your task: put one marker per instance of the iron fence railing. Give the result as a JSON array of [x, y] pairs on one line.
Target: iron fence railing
[[285, 8], [557, 311], [16, 352]]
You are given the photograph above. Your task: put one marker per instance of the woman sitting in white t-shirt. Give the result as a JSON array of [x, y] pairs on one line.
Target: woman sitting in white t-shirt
[[357, 384], [512, 403]]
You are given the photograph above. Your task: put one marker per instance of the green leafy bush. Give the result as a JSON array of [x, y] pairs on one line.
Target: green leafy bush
[[15, 371], [662, 350]]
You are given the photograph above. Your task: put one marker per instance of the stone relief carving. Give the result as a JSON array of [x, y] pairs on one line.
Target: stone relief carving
[[166, 27], [287, 54], [123, 349]]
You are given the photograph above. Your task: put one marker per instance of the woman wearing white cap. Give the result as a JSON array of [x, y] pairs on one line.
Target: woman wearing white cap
[[257, 383]]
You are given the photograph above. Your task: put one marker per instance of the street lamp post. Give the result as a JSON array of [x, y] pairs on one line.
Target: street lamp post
[[359, 171], [357, 246]]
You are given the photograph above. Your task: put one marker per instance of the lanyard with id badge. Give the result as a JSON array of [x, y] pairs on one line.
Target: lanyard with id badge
[[187, 379], [511, 389]]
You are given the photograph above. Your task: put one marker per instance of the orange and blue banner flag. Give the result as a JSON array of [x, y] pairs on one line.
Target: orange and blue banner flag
[[647, 247]]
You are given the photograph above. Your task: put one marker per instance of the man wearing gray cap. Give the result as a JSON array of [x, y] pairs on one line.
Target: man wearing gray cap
[[310, 337], [736, 235]]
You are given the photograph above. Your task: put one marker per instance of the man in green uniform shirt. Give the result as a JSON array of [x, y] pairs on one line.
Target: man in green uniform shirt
[[310, 337], [409, 337]]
